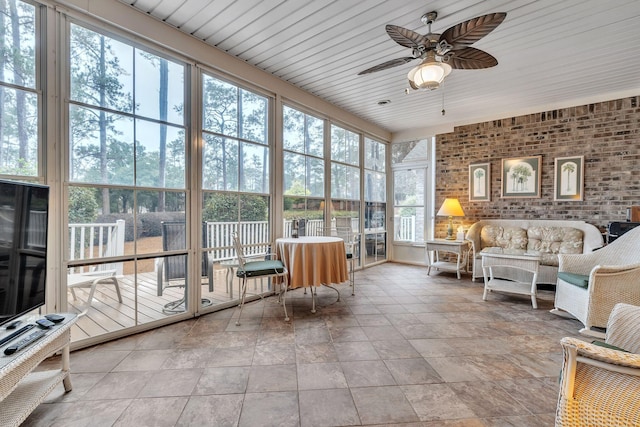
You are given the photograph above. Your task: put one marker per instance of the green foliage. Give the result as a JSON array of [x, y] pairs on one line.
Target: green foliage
[[150, 223], [404, 212], [296, 214], [223, 207], [297, 188], [24, 168], [83, 206]]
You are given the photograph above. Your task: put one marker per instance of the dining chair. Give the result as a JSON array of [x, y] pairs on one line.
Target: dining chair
[[351, 246], [265, 266]]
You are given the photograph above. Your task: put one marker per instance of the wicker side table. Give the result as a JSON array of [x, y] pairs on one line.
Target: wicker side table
[[22, 390], [460, 248], [516, 260]]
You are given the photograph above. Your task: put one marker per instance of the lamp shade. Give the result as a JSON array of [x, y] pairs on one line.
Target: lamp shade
[[450, 207], [429, 74]]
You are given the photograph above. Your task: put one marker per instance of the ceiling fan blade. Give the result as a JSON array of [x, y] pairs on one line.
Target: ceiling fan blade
[[471, 58], [468, 32], [389, 64], [405, 37]]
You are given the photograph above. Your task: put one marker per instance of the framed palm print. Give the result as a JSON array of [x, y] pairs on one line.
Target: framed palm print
[[521, 177], [568, 178], [480, 182]]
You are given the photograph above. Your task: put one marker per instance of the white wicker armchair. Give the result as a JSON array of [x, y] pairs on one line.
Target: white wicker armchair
[[601, 386], [610, 275]]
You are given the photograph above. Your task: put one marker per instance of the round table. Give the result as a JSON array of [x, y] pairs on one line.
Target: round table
[[313, 260]]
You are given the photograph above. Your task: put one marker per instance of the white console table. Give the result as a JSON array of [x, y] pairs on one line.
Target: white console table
[[21, 389]]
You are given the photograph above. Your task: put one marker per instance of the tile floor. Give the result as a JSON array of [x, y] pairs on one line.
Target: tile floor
[[407, 350]]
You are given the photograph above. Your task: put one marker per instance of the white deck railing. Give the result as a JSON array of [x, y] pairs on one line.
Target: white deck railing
[[96, 240], [406, 230], [254, 236], [219, 237]]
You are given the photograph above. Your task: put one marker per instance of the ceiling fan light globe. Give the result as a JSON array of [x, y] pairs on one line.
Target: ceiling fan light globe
[[429, 74]]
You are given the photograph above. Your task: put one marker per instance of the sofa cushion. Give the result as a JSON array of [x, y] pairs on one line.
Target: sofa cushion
[[503, 237], [575, 279], [550, 241]]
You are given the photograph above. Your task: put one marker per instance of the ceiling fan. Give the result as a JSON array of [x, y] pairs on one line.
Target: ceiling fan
[[442, 52]]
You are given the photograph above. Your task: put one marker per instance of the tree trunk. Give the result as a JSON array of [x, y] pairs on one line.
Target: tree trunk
[[241, 177], [106, 204], [163, 105], [18, 72], [265, 164], [3, 46]]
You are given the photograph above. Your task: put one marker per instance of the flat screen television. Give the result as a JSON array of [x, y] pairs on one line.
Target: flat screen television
[[24, 211]]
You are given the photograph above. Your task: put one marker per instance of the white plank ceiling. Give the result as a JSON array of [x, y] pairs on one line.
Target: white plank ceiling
[[550, 53]]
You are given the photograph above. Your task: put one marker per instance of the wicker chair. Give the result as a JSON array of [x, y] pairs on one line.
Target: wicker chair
[[600, 385], [589, 285]]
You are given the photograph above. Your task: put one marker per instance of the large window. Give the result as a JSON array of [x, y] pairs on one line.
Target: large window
[[127, 174], [303, 143], [410, 190], [20, 98], [375, 197], [235, 172], [149, 195], [345, 177]]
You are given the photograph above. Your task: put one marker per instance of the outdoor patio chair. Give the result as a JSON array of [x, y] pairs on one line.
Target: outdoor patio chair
[[171, 271], [600, 382], [590, 284], [268, 266], [111, 243], [102, 275]]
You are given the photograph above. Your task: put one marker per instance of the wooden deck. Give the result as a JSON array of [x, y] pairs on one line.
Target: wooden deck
[[107, 314]]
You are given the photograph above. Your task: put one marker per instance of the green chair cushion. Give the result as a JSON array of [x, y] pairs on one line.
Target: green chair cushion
[[579, 280], [261, 268], [609, 346]]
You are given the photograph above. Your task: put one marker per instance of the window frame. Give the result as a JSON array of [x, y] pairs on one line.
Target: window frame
[[39, 90], [426, 163]]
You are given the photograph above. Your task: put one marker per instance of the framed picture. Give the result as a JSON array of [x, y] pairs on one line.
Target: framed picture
[[521, 176], [480, 182], [568, 178]]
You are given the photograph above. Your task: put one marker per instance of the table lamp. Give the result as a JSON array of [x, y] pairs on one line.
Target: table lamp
[[450, 208]]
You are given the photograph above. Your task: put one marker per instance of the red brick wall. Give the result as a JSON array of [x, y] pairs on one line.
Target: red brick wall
[[607, 134]]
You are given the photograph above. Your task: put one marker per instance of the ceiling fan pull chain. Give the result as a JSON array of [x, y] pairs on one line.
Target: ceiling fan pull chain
[[443, 112]]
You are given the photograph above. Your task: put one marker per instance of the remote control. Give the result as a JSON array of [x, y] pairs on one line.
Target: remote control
[[14, 324], [44, 323], [55, 318], [17, 333], [33, 336]]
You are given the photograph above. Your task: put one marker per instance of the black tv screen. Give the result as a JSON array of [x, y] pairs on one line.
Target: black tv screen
[[24, 210]]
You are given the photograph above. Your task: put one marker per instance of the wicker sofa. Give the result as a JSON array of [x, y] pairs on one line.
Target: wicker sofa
[[549, 237]]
